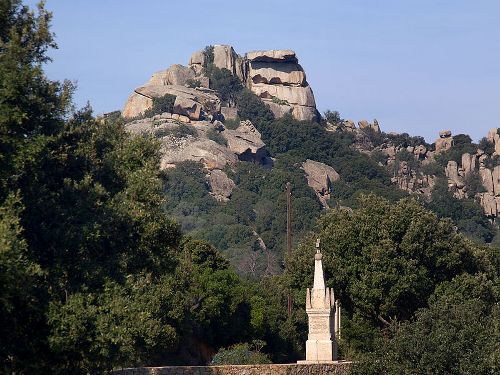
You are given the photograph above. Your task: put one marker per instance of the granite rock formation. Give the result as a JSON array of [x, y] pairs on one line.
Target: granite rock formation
[[320, 178], [275, 76]]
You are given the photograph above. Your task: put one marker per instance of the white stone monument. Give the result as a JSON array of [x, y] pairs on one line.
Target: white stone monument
[[324, 317]]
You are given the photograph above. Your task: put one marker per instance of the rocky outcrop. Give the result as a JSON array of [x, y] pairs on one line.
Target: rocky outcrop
[[246, 142], [408, 180], [364, 125], [175, 75], [494, 137], [142, 99], [276, 77], [444, 142], [221, 186], [320, 178]]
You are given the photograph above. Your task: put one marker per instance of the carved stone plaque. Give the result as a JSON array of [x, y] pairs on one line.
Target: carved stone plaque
[[318, 325]]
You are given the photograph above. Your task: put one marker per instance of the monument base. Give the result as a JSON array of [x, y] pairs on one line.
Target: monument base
[[306, 362]]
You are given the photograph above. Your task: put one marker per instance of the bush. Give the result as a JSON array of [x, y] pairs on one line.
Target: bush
[[250, 107], [333, 117], [180, 131], [240, 354], [217, 137], [160, 105]]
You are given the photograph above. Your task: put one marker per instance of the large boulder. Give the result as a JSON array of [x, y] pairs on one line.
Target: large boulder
[[282, 74], [221, 186], [494, 137], [211, 154], [320, 176], [175, 75], [444, 142], [276, 55], [246, 142], [136, 105], [300, 96], [486, 179], [454, 178], [187, 107], [276, 77], [226, 58], [468, 162]]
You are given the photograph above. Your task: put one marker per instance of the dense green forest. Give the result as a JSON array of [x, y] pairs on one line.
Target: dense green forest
[[96, 274]]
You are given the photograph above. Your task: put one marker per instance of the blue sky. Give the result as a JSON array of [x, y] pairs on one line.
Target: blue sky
[[418, 66]]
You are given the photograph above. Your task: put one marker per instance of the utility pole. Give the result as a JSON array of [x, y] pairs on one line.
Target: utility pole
[[289, 233]]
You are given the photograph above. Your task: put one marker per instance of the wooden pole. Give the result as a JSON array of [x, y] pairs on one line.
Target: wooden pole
[[289, 233]]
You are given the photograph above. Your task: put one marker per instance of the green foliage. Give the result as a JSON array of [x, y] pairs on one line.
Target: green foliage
[[232, 124], [405, 140], [487, 146], [250, 107], [225, 83], [333, 117], [208, 53], [239, 354], [180, 131], [456, 334], [215, 136], [433, 169], [384, 261], [31, 106], [193, 83], [279, 101], [162, 104], [466, 213], [462, 144]]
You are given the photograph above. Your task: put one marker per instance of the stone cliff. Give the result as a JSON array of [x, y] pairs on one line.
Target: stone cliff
[[275, 76]]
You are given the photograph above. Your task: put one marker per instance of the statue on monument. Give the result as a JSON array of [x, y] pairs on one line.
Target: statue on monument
[[323, 313]]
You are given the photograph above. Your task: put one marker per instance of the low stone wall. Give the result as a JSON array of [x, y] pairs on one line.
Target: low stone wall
[[341, 368]]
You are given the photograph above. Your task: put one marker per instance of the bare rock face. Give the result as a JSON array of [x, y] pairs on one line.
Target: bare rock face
[[175, 75], [141, 99], [187, 107], [454, 178], [229, 113], [211, 154], [486, 179], [363, 125], [136, 105], [468, 162], [226, 58], [276, 77], [246, 142], [408, 180], [444, 142], [221, 185], [320, 177], [494, 137]]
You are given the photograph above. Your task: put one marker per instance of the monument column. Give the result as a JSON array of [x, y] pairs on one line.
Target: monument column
[[321, 346]]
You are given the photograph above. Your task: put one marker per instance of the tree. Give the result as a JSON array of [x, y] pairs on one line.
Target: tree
[[456, 334], [31, 107], [384, 261]]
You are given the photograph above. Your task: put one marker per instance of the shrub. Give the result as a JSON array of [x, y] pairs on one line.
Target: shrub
[[193, 83], [215, 136], [162, 104], [250, 107], [240, 354], [333, 117]]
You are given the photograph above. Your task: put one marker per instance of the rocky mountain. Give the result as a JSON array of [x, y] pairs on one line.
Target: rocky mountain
[[234, 129], [274, 76]]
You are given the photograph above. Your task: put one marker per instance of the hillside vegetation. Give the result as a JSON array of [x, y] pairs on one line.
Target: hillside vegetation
[[109, 259]]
